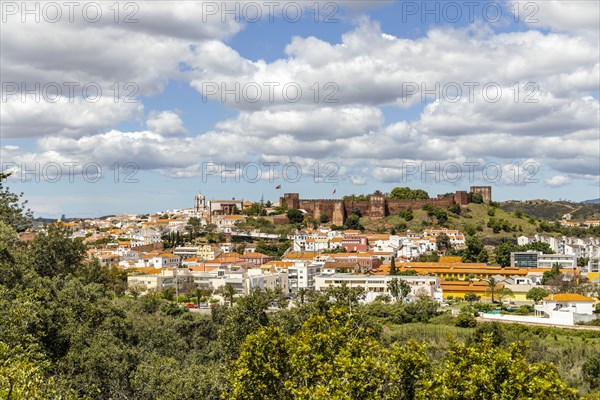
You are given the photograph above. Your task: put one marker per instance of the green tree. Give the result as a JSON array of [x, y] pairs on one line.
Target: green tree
[[536, 294], [476, 198], [245, 317], [393, 287], [552, 274], [591, 370], [323, 219], [474, 251], [295, 216], [582, 262], [406, 214], [54, 253], [405, 193], [443, 242], [13, 211], [471, 297], [503, 253], [485, 371], [492, 283], [228, 292], [346, 362], [455, 209], [311, 222], [353, 222], [398, 288], [260, 370], [504, 293], [537, 246], [345, 295], [24, 375], [465, 319], [393, 266], [194, 227], [301, 295]]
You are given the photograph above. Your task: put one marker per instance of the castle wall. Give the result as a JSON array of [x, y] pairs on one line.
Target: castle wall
[[362, 206], [463, 198], [378, 206], [395, 206]]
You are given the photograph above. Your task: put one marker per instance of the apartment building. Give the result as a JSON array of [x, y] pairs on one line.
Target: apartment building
[[429, 286]]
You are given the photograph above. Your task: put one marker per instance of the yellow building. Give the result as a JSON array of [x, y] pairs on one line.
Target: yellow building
[[206, 252], [460, 289]]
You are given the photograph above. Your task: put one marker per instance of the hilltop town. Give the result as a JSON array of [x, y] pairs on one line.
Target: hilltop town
[[295, 246]]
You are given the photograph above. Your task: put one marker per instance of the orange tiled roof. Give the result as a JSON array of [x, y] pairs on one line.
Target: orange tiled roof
[[452, 259], [568, 297], [278, 264], [168, 255], [358, 254], [301, 255], [255, 255], [228, 257]]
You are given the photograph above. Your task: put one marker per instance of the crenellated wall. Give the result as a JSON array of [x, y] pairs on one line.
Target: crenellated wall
[[378, 206]]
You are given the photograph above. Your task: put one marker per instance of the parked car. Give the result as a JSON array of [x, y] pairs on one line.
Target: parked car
[[191, 305]]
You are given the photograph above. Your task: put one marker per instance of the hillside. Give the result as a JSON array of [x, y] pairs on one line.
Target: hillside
[[475, 220], [553, 210]]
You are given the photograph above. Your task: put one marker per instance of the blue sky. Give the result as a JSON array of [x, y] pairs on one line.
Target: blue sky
[[376, 135]]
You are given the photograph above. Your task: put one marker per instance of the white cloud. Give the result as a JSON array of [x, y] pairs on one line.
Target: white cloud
[[306, 123], [558, 180], [371, 69], [65, 117], [572, 15], [166, 123]]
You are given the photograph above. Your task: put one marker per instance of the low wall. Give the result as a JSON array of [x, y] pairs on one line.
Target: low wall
[[529, 319]]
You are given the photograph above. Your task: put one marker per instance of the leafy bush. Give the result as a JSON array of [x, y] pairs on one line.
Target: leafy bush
[[465, 320]]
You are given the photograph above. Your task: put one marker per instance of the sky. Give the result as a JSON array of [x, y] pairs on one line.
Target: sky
[[135, 107]]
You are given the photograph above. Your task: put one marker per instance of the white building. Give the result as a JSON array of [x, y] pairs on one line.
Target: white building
[[302, 276], [566, 309], [257, 278], [186, 251], [376, 285], [181, 281], [565, 261]]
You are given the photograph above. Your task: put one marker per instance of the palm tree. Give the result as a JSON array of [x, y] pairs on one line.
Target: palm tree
[[228, 291], [302, 293], [492, 285]]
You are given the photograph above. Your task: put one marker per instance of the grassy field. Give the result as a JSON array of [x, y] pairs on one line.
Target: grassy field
[[476, 217]]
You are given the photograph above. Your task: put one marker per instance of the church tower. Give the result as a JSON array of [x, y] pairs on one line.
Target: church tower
[[199, 203]]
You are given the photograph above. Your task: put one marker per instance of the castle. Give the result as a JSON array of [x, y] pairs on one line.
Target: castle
[[378, 206]]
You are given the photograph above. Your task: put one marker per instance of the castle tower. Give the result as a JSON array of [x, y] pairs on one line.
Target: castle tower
[[484, 191], [339, 214], [291, 200], [377, 206]]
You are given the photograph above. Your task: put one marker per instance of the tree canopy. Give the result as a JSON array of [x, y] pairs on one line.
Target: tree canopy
[[405, 193]]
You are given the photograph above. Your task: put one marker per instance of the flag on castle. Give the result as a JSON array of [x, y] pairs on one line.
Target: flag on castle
[[334, 190], [278, 187]]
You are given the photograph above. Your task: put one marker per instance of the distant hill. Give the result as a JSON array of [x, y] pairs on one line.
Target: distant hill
[[593, 201], [554, 210]]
